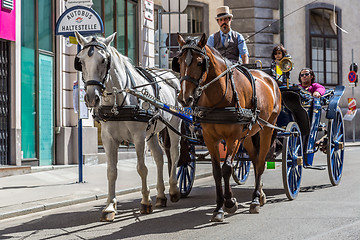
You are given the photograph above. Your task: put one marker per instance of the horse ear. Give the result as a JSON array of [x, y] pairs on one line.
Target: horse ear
[[80, 39], [109, 39], [180, 40], [203, 41]]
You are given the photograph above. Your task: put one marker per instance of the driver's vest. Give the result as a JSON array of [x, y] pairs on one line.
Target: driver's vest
[[232, 51]]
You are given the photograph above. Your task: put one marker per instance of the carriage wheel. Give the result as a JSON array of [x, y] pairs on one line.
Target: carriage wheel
[[241, 170], [335, 147], [292, 158], [186, 175]]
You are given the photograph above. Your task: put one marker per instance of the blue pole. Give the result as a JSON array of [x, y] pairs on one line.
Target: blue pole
[[80, 149]]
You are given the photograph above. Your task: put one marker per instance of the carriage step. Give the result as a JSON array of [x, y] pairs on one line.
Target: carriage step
[[315, 167]]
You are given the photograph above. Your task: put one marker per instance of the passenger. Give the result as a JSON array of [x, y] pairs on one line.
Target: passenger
[[307, 82], [278, 53], [228, 42]]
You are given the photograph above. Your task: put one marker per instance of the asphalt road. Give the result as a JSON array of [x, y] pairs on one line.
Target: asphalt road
[[320, 211]]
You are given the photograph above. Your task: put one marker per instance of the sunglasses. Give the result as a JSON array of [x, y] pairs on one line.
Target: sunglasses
[[304, 74]]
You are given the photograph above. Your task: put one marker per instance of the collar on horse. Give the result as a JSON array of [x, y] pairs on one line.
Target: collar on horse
[[77, 64]]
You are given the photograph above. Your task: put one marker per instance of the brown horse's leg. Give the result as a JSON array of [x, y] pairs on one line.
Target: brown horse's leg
[[252, 146], [261, 144], [218, 214], [230, 202]]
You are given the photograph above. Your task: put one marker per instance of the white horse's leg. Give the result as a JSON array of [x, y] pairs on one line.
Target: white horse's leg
[[111, 150], [175, 154], [159, 160], [139, 142]]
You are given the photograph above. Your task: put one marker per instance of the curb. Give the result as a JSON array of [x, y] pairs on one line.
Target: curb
[[44, 207]]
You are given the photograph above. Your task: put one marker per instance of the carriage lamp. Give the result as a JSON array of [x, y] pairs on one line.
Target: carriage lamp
[[286, 64]]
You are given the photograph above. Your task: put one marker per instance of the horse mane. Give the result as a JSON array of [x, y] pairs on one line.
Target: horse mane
[[123, 60]]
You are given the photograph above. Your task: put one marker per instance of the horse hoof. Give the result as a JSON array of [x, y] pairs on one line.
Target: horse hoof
[[217, 216], [161, 202], [175, 197], [262, 199], [146, 209], [229, 208], [107, 216], [254, 207]]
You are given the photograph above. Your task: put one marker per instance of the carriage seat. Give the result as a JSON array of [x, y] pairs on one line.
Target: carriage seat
[[294, 102]]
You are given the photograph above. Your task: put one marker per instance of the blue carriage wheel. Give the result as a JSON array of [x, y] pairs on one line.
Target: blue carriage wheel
[[335, 147], [186, 175], [292, 160], [241, 170]]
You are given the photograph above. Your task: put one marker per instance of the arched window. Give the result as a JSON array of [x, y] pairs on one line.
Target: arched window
[[323, 41]]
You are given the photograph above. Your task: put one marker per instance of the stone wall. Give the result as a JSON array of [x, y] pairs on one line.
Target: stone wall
[[253, 16]]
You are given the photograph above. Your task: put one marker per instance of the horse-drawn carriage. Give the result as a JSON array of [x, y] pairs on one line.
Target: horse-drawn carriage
[[244, 116], [303, 133]]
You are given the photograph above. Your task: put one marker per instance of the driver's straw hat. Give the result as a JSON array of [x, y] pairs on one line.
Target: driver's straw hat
[[223, 12]]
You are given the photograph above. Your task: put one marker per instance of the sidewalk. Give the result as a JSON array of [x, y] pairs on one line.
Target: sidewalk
[[43, 190]]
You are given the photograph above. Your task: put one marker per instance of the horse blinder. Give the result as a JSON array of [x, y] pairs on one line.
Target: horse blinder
[[205, 64], [175, 66], [77, 64]]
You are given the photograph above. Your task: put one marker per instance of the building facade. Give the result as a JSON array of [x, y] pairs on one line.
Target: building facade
[[316, 34], [8, 124], [38, 124]]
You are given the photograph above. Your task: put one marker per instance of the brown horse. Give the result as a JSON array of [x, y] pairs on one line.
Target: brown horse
[[203, 87]]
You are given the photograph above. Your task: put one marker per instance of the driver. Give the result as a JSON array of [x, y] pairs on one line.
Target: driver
[[228, 42]]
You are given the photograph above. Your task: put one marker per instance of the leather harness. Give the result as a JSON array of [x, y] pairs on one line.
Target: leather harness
[[227, 115]]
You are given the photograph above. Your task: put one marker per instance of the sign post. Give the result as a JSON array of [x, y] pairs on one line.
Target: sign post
[[86, 21], [352, 77]]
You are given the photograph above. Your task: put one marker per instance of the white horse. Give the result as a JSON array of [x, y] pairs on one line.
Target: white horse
[[106, 73]]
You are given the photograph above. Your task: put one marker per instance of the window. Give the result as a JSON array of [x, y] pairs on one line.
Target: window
[[324, 42], [37, 81], [195, 17], [119, 16]]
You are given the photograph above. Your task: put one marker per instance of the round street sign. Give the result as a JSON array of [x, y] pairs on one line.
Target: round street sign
[[352, 76], [82, 19]]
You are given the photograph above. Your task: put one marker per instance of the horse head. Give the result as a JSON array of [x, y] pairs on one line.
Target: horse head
[[94, 61], [192, 63]]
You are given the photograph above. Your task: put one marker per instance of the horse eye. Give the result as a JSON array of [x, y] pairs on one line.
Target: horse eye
[[103, 61], [200, 63]]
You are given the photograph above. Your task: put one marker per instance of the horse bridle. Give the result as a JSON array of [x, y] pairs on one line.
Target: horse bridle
[[77, 64], [188, 61]]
